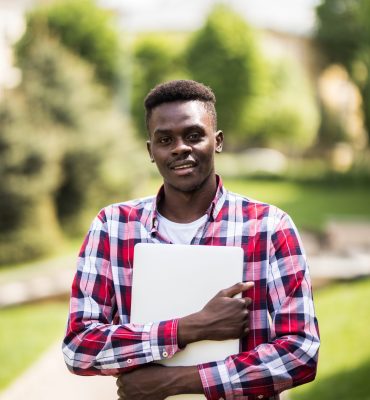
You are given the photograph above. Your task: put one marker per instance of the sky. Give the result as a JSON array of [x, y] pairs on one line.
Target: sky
[[295, 16]]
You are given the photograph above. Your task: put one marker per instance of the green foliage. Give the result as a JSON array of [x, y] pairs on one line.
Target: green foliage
[[344, 33], [65, 148], [82, 27], [154, 62], [29, 173], [339, 30], [280, 118], [224, 55], [257, 102]]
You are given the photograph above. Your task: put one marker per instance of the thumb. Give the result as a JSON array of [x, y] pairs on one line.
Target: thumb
[[235, 289]]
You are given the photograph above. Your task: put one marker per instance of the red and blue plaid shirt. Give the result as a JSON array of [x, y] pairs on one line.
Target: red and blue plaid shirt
[[281, 348]]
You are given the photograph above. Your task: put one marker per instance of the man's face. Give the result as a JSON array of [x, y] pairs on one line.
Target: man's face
[[182, 143]]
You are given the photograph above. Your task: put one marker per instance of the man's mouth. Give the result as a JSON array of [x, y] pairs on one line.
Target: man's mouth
[[183, 166]]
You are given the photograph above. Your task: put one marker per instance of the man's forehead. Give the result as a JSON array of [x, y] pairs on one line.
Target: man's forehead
[[180, 105], [178, 111]]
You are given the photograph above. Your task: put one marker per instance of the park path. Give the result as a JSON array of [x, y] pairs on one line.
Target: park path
[[49, 378]]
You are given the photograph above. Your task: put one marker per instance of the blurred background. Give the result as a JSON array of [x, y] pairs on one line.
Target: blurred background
[[293, 99]]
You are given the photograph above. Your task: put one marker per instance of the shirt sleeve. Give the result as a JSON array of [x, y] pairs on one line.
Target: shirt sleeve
[[290, 358], [96, 343]]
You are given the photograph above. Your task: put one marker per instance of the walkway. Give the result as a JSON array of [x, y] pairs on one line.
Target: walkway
[[49, 379]]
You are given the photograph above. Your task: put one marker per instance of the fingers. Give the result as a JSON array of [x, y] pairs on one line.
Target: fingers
[[248, 301], [235, 289], [120, 394], [119, 381]]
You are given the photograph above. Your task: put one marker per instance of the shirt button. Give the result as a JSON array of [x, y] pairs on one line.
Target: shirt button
[[129, 361], [165, 354]]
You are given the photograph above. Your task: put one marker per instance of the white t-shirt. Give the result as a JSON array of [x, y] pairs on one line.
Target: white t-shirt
[[179, 233]]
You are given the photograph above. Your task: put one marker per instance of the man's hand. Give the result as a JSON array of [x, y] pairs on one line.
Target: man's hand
[[223, 317], [155, 382]]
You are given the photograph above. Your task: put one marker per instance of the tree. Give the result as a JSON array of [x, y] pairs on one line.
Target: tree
[[85, 29], [284, 115], [63, 151], [224, 55], [154, 62], [344, 33], [29, 173]]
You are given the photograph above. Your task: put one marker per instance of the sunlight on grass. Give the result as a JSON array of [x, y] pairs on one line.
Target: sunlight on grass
[[343, 312], [26, 331]]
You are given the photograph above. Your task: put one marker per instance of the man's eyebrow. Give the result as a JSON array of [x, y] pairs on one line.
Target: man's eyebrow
[[195, 126], [163, 131], [160, 131]]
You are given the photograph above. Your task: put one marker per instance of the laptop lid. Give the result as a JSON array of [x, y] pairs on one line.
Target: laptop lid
[[172, 281]]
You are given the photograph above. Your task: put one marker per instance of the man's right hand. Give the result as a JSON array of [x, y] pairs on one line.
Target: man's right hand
[[223, 317]]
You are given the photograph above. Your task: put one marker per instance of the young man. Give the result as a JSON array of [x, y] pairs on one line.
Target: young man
[[274, 320]]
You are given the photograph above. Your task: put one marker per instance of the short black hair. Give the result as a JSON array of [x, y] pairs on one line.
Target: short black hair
[[180, 90]]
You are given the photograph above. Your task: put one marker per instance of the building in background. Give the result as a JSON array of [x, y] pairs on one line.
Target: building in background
[[12, 25]]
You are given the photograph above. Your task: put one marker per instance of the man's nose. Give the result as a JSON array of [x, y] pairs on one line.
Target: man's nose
[[181, 147]]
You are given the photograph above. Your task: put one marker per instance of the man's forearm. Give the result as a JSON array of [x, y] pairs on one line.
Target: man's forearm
[[156, 382], [185, 380]]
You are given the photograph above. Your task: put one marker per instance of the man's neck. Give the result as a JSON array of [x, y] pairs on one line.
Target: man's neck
[[184, 207]]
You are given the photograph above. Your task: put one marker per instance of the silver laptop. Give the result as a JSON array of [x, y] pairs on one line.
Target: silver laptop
[[172, 281]]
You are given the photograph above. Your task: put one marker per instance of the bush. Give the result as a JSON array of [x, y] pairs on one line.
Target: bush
[[82, 27], [285, 115], [65, 151], [154, 62], [224, 55], [29, 174]]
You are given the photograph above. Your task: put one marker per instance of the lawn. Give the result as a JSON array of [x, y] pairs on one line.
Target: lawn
[[310, 205], [343, 312], [26, 331]]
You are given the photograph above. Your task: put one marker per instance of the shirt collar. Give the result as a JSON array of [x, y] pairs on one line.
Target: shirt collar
[[212, 212]]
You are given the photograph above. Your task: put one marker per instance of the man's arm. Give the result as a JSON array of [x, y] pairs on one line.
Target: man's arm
[[290, 358], [99, 342], [223, 317], [155, 382]]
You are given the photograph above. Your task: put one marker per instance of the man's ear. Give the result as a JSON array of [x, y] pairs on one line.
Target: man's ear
[[219, 137], [148, 147]]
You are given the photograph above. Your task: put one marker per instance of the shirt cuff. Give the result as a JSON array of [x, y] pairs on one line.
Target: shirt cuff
[[216, 381], [163, 339]]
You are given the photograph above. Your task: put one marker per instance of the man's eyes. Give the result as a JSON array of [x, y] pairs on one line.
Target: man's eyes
[[191, 137], [194, 136], [164, 140]]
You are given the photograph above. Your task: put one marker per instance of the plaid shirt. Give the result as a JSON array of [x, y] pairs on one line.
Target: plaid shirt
[[281, 348]]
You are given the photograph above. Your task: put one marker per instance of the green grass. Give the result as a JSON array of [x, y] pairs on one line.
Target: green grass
[[26, 331], [310, 205], [343, 312]]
